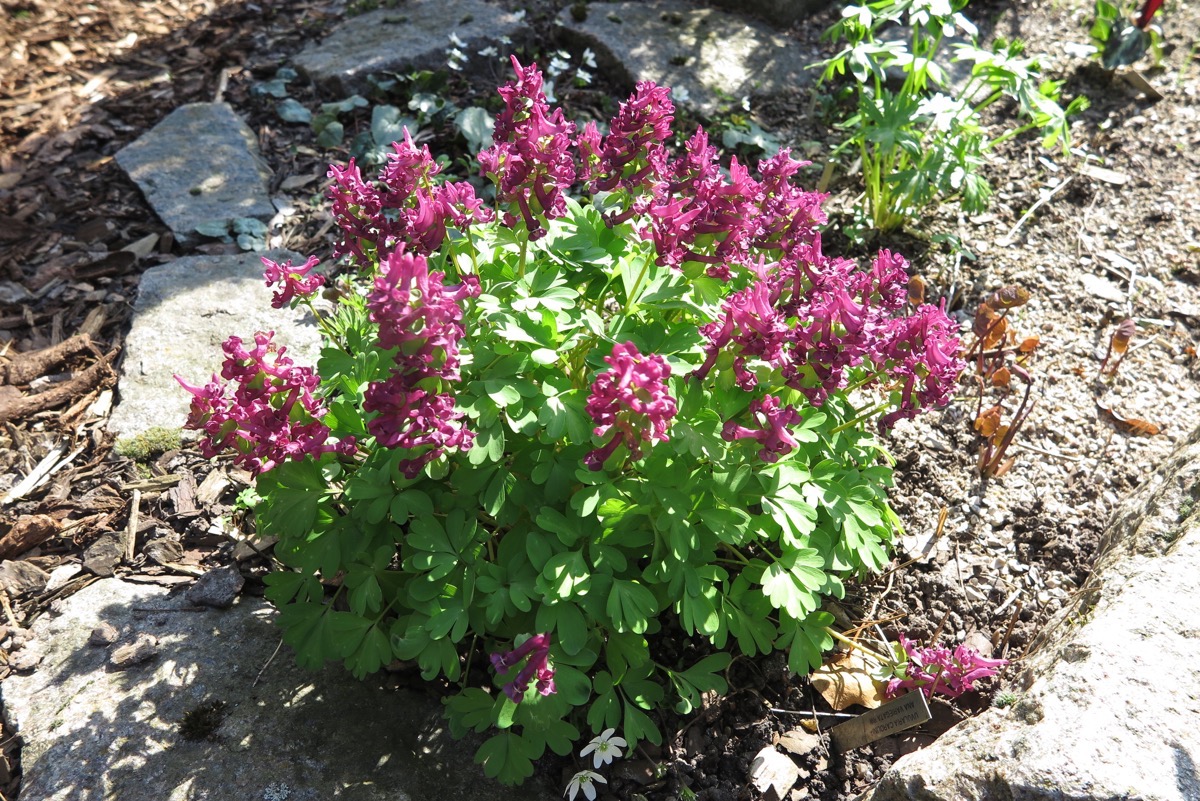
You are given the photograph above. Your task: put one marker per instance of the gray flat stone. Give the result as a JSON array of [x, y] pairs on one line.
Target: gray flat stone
[[1106, 704], [707, 53], [92, 733], [414, 34], [199, 164], [184, 311], [780, 12]]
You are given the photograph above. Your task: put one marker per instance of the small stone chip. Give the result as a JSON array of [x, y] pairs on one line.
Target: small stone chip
[[144, 647], [104, 634], [217, 588]]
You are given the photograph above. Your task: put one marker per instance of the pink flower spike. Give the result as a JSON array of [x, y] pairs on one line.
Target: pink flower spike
[[537, 651], [296, 281], [630, 400]]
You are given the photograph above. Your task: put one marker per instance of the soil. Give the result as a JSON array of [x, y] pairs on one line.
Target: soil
[[993, 557]]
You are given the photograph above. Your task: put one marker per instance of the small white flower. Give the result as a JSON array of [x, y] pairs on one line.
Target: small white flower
[[557, 66], [519, 15], [456, 41], [604, 748], [583, 781], [583, 76], [680, 94], [489, 52], [589, 58]]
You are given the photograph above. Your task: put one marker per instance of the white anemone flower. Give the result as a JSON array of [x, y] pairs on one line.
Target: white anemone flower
[[584, 780], [604, 748]]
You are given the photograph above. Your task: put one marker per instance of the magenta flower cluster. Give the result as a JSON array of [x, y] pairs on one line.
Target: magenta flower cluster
[[773, 435], [629, 403], [531, 160], [271, 414], [537, 650], [939, 669], [295, 282], [807, 317], [407, 208], [810, 319], [421, 318]]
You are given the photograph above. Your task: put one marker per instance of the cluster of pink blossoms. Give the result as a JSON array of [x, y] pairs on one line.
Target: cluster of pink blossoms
[[530, 160], [537, 649], [271, 415], [297, 282], [421, 318], [630, 401], [408, 208], [939, 669]]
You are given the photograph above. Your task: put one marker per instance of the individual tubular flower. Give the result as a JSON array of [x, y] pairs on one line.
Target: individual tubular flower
[[537, 669], [773, 434], [271, 416], [296, 281], [942, 670], [630, 401]]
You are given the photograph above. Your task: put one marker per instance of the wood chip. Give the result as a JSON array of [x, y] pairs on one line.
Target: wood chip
[[1104, 174], [143, 648], [28, 532]]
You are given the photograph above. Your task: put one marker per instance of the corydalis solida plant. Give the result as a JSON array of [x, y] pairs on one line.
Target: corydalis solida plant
[[635, 389]]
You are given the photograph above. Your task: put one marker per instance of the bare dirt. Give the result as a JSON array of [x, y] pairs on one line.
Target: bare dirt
[[990, 557]]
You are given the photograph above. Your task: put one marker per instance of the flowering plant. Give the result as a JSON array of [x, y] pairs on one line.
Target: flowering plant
[[919, 136], [938, 669], [554, 429]]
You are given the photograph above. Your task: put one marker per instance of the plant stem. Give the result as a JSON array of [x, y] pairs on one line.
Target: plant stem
[[862, 416], [878, 657]]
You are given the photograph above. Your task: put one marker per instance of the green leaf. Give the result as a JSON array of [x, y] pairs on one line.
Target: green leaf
[[476, 126], [631, 606], [291, 110], [471, 709], [215, 229], [331, 135], [503, 757], [566, 575]]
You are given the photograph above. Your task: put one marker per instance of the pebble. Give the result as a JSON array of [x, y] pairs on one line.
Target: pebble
[[104, 634], [143, 648], [217, 588]]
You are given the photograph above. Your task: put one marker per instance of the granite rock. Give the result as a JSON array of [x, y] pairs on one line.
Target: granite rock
[[701, 53], [92, 733], [414, 34], [184, 311], [198, 165], [1107, 701]]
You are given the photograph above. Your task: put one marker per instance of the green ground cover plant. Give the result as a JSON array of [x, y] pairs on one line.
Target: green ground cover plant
[[919, 138], [630, 399]]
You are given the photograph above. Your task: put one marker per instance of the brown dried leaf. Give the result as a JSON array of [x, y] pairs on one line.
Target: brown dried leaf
[[1129, 425], [916, 290], [1122, 336], [987, 422], [1001, 378], [1029, 344], [1009, 297], [846, 680]]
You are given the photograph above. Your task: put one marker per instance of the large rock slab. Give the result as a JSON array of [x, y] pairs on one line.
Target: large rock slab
[[709, 54], [92, 733], [184, 311], [414, 34], [780, 12], [1108, 703], [199, 164]]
